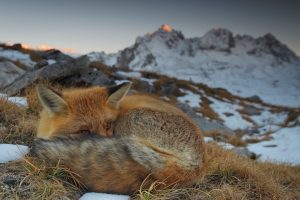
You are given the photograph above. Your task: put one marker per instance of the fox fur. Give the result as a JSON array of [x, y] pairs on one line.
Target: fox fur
[[150, 139]]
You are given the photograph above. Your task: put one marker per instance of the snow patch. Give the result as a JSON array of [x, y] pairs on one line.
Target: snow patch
[[10, 152], [225, 145], [118, 82], [190, 98], [17, 56], [103, 196], [20, 101], [285, 147], [132, 74], [228, 112], [267, 117], [51, 61]]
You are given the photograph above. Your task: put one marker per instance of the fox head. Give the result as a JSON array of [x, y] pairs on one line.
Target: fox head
[[91, 110]]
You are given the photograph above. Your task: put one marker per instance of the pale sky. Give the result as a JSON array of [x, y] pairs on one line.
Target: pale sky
[[111, 25]]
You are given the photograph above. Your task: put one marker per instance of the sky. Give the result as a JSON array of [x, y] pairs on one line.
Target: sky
[[112, 25]]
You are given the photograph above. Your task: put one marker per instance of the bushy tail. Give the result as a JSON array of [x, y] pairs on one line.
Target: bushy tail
[[84, 147], [117, 165]]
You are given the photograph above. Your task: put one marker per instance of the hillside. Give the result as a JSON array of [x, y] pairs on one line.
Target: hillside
[[243, 65], [243, 92]]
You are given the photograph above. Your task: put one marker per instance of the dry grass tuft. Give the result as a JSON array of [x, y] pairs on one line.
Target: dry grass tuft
[[292, 117], [233, 177], [29, 179], [16, 124], [33, 103]]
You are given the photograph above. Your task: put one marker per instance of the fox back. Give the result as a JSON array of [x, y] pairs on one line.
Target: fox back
[[151, 140]]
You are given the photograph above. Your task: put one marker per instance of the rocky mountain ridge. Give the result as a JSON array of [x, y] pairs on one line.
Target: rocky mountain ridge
[[244, 65], [143, 53]]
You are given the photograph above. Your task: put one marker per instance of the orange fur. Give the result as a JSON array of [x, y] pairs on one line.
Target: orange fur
[[150, 137], [86, 110]]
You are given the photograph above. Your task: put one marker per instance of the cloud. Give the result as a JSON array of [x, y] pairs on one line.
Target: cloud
[[45, 47]]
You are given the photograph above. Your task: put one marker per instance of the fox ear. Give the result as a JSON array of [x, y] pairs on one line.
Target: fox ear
[[51, 100], [116, 94]]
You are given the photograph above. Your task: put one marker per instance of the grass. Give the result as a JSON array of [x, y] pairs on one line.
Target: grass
[[233, 177], [17, 125], [228, 175], [30, 179]]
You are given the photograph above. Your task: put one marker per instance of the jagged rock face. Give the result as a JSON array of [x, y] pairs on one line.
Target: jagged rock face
[[217, 39], [126, 57], [274, 47], [8, 73], [143, 54], [267, 45]]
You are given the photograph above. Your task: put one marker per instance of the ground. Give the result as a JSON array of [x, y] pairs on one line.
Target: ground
[[229, 176]]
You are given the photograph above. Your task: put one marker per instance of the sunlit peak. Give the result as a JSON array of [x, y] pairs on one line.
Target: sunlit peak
[[166, 28]]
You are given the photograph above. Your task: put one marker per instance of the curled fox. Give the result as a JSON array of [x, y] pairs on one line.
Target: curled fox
[[133, 138]]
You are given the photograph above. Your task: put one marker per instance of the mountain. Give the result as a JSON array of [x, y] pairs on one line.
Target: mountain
[[242, 64], [261, 68]]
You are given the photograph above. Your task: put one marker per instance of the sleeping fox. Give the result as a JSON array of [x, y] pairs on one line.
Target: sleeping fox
[[114, 141]]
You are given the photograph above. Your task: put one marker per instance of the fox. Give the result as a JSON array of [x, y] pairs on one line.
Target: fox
[[116, 142]]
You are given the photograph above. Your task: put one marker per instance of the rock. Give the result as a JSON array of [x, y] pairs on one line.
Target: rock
[[87, 77], [228, 114], [167, 88], [54, 55], [254, 98], [244, 152], [8, 73], [40, 64], [251, 110], [17, 46], [118, 75], [50, 72], [144, 86]]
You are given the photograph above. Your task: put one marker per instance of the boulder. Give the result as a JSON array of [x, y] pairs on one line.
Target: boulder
[[52, 72], [8, 73]]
